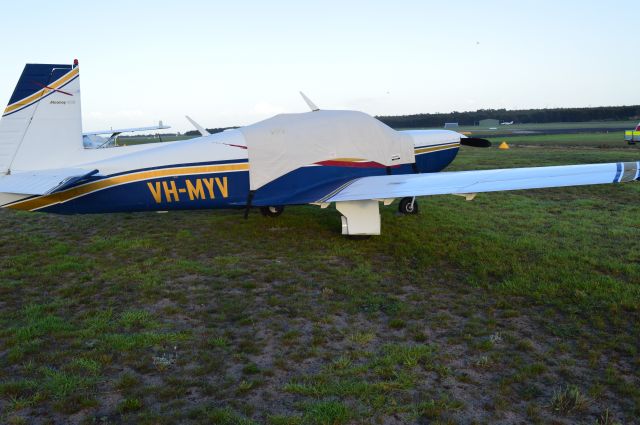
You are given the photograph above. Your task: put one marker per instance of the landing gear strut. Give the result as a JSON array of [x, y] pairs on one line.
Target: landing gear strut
[[408, 205], [271, 211]]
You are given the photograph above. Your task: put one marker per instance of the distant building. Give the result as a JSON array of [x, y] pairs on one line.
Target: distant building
[[451, 125], [489, 122]]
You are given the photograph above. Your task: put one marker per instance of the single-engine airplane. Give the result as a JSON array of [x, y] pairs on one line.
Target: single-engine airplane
[[96, 140], [322, 157]]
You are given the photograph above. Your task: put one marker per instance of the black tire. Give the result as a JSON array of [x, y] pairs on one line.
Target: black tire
[[273, 211], [408, 206], [359, 237]]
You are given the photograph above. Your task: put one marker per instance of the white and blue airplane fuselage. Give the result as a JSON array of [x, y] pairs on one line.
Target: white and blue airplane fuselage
[[212, 172]]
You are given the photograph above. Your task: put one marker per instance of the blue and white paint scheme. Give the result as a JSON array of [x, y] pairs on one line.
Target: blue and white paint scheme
[[319, 157]]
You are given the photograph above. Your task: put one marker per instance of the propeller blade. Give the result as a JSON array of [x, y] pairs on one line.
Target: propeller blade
[[475, 142]]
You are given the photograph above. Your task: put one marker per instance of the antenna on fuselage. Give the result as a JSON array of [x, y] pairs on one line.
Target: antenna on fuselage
[[198, 127], [311, 105]]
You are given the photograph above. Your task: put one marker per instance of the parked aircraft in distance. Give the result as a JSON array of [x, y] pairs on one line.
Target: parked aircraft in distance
[[507, 123], [323, 157], [95, 140]]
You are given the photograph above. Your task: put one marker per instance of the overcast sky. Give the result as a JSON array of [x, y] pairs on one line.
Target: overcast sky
[[235, 62]]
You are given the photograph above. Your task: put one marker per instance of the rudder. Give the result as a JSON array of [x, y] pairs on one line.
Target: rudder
[[42, 123]]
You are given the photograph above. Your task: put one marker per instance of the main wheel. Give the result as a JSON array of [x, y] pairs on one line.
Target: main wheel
[[408, 205], [271, 211]]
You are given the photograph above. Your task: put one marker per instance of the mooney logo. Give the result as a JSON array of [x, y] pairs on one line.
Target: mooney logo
[[198, 189]]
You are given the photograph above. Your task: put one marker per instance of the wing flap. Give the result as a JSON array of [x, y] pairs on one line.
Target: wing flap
[[459, 182], [43, 182]]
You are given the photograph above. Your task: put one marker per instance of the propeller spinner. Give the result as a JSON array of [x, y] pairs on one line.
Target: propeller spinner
[[475, 142]]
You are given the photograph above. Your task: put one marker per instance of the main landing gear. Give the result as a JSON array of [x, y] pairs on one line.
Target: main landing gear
[[408, 205], [271, 211]]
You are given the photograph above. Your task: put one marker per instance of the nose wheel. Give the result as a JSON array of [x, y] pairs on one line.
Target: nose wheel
[[408, 205], [271, 211]]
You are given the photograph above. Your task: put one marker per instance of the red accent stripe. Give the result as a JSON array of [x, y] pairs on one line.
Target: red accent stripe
[[235, 146], [51, 88]]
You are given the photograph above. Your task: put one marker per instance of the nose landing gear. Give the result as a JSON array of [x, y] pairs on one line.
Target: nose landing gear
[[408, 205]]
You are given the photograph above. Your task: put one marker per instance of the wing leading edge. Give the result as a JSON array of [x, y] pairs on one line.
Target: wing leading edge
[[462, 182], [160, 126]]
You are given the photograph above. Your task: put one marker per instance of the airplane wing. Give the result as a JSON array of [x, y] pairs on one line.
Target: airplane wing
[[358, 199], [117, 131], [43, 182], [467, 182]]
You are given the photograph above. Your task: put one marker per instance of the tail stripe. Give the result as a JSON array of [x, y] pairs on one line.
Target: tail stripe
[[42, 93]]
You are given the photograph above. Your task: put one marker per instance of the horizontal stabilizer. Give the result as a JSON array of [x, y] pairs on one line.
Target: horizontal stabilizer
[[43, 182], [459, 182]]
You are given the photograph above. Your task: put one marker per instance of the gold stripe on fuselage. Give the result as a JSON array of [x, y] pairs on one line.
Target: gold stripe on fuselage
[[437, 148], [66, 195]]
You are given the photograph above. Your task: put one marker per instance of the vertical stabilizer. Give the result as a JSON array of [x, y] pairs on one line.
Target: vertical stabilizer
[[42, 125]]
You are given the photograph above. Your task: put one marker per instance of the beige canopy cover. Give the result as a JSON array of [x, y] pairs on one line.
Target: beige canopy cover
[[286, 142]]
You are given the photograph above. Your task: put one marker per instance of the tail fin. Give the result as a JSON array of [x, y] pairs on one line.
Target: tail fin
[[42, 125]]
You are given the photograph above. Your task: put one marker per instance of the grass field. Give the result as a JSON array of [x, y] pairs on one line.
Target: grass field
[[516, 307], [610, 131], [614, 139], [565, 125]]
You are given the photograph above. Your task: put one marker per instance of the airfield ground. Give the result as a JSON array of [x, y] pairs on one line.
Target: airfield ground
[[516, 307]]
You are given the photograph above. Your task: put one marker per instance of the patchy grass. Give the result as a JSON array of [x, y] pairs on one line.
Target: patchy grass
[[568, 399], [471, 311]]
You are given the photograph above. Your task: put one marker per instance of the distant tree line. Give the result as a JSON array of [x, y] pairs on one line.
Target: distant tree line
[[518, 116], [523, 116], [210, 130]]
